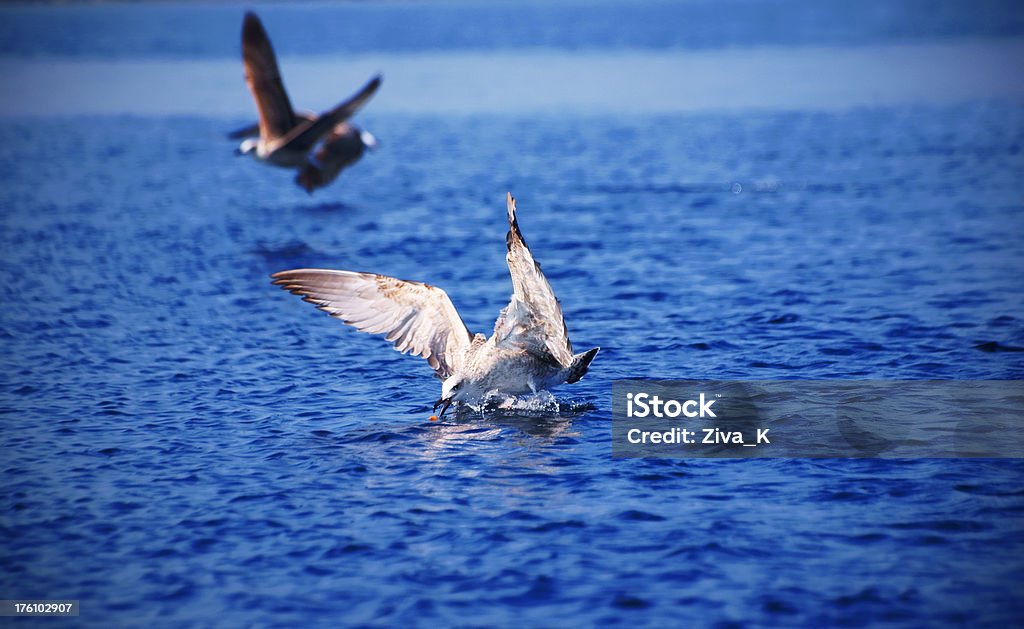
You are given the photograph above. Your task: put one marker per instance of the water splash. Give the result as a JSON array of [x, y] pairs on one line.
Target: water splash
[[542, 403]]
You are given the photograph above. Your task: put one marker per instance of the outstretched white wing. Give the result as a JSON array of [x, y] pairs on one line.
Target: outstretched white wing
[[533, 318], [416, 317]]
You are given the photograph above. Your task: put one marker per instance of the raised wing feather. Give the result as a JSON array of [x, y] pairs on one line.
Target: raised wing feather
[[304, 136], [253, 130], [417, 318], [533, 318], [264, 80]]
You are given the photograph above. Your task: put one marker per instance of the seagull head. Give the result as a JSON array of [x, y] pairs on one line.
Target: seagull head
[[452, 390]]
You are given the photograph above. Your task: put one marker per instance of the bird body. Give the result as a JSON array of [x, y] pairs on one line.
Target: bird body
[[342, 147], [528, 351]]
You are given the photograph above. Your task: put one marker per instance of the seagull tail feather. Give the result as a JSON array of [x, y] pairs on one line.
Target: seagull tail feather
[[580, 364]]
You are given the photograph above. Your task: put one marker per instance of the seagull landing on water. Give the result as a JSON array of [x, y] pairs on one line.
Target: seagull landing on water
[[285, 137], [529, 350]]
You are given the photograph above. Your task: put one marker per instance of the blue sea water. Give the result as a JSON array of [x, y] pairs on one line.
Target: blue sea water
[[184, 443], [200, 30]]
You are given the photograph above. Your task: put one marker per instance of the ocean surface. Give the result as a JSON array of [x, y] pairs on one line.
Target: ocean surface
[[185, 444]]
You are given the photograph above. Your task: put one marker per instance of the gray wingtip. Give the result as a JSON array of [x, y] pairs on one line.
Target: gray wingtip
[[281, 276], [367, 90], [580, 365], [252, 28], [513, 224]]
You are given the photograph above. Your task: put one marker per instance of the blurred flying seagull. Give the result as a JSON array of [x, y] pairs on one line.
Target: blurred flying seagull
[[285, 137], [529, 350]]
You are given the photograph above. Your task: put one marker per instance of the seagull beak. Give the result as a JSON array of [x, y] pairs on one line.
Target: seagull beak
[[446, 403]]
